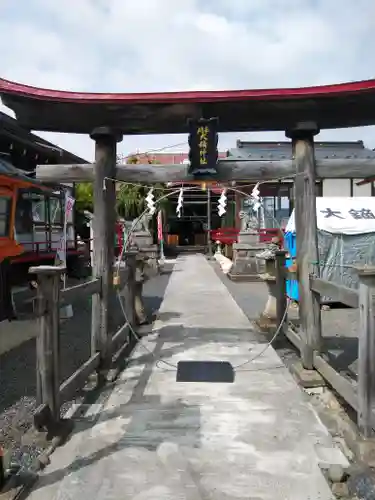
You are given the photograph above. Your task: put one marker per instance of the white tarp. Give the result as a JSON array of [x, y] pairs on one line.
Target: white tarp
[[338, 215]]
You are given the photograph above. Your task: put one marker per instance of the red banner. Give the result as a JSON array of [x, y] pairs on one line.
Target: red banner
[[160, 226]]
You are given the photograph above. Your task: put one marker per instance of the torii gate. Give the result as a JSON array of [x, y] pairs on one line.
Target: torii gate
[[299, 112]]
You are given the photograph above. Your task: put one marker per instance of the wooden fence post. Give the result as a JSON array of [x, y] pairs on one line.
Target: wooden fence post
[[140, 313], [281, 299], [130, 258], [104, 238], [306, 233], [366, 350], [48, 340]]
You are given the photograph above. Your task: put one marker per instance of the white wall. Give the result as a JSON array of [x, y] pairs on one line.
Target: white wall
[[345, 187], [336, 187], [364, 190]]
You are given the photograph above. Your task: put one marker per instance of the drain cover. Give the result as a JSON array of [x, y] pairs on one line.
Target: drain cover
[[205, 371]]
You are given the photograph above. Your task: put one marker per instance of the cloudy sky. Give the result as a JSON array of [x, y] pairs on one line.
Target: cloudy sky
[[161, 45]]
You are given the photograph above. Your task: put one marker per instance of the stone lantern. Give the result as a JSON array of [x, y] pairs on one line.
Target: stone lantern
[[246, 266], [268, 318]]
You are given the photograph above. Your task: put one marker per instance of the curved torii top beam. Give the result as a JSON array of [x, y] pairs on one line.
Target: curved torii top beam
[[330, 106]]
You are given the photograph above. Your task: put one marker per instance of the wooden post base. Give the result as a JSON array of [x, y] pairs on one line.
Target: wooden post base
[[307, 379], [140, 313]]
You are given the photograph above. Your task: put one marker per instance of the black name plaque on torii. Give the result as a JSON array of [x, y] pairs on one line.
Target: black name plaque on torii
[[203, 142]]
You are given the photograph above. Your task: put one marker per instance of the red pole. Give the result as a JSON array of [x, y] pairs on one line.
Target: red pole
[[120, 238]]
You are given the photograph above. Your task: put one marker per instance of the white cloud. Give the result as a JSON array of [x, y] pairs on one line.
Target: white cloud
[[160, 45]]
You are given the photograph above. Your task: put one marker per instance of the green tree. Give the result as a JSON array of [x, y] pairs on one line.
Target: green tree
[[84, 196], [131, 198]]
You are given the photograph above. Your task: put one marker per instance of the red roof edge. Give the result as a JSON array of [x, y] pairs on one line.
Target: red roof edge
[[14, 88]]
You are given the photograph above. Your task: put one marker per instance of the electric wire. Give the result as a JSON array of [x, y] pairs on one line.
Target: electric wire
[[157, 150], [158, 361]]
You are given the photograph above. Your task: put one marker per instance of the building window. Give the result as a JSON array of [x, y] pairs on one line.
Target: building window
[[277, 205], [56, 211], [276, 211], [5, 203], [24, 217], [39, 208]]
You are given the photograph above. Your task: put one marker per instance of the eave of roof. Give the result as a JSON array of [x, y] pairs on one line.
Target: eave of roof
[[11, 128]]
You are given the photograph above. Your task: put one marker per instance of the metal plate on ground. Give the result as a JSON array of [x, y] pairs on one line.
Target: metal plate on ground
[[205, 371]]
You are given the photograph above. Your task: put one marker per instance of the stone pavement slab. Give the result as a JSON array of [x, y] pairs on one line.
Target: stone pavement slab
[[155, 438]]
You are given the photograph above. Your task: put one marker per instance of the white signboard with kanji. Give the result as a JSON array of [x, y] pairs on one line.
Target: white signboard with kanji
[[343, 215]]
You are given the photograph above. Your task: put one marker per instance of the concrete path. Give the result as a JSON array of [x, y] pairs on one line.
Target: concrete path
[[155, 438]]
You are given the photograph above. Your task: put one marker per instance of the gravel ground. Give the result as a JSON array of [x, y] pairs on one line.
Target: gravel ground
[[17, 368]]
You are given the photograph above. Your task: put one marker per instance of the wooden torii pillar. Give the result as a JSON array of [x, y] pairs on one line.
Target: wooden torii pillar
[[306, 234], [106, 140]]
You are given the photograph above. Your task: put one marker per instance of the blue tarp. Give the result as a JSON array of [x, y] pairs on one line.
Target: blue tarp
[[291, 247], [346, 238], [338, 253]]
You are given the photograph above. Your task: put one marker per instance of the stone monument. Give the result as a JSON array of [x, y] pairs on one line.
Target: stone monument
[[246, 266], [141, 231], [142, 239], [249, 228]]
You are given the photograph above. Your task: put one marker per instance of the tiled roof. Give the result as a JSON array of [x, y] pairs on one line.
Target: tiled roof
[[247, 150]]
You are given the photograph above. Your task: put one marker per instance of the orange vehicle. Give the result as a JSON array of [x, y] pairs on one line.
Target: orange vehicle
[[12, 182], [31, 223]]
